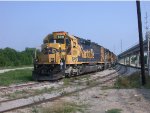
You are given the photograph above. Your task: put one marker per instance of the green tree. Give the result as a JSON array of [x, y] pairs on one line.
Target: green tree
[[11, 57]]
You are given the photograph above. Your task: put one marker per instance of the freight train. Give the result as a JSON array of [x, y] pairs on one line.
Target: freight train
[[65, 55]]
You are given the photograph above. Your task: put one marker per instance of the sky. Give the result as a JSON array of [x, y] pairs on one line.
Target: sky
[[25, 24]]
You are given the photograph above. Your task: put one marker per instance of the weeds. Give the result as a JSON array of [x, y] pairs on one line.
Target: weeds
[[34, 109], [66, 81], [63, 107], [105, 87], [132, 81], [87, 81], [44, 90], [114, 111], [63, 92]]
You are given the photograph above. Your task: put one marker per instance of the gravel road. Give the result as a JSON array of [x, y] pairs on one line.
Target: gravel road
[[6, 70]]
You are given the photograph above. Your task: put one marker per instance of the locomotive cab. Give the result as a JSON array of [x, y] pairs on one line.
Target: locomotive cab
[[55, 47]]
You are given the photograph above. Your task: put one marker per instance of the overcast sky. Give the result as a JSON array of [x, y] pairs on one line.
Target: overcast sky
[[25, 24]]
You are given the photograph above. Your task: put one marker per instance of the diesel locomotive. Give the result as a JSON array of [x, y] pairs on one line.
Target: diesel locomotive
[[65, 55]]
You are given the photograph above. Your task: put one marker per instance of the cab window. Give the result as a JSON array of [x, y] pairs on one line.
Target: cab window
[[51, 40], [60, 41], [67, 42]]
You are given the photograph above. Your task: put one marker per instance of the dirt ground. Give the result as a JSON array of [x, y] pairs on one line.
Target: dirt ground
[[128, 100], [99, 100]]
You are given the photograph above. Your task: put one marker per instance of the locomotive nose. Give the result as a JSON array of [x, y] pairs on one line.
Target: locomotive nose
[[56, 52]]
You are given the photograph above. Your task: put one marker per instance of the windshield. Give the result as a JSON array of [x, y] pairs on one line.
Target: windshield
[[60, 41], [51, 40]]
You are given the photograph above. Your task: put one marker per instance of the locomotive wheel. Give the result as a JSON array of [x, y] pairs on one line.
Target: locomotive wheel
[[79, 72]]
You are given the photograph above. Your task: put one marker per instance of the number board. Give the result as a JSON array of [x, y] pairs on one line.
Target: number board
[[60, 36]]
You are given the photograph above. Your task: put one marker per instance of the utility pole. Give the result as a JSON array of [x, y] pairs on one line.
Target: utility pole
[[147, 38], [146, 22], [141, 43]]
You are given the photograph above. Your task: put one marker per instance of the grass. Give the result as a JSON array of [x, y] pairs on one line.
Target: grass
[[88, 82], [45, 90], [34, 109], [132, 81], [63, 107], [66, 81], [115, 110], [16, 94], [15, 77], [69, 81]]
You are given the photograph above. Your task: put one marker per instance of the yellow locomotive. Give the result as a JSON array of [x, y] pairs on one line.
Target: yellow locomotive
[[67, 55]]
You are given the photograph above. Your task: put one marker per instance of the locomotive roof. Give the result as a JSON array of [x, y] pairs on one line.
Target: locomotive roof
[[47, 36], [87, 40], [75, 37]]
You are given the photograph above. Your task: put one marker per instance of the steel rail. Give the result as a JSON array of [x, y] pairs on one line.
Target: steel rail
[[18, 86]]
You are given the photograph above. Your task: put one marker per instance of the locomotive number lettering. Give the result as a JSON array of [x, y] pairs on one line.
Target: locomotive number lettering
[[60, 36], [74, 59]]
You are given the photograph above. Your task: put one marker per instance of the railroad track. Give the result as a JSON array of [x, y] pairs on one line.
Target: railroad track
[[20, 86], [16, 86], [51, 97]]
